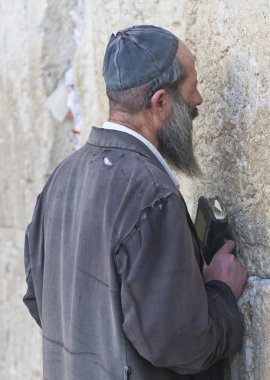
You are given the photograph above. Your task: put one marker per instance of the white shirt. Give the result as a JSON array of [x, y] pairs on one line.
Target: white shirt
[[122, 128]]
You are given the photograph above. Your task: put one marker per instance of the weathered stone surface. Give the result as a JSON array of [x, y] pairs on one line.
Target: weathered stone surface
[[232, 136], [252, 362], [37, 41], [37, 46], [20, 337]]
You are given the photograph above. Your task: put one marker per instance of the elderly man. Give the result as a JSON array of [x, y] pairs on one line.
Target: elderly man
[[115, 275]]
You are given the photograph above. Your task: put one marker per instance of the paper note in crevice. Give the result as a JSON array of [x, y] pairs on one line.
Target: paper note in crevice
[[57, 104]]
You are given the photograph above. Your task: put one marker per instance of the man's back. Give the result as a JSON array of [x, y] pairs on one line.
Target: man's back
[[104, 258], [73, 239]]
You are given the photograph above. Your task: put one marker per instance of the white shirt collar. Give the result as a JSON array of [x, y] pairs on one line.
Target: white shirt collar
[[122, 128]]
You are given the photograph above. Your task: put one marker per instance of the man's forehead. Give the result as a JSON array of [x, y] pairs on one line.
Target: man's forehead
[[184, 53], [187, 60]]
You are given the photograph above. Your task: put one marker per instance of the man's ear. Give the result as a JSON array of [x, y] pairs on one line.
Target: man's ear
[[161, 104]]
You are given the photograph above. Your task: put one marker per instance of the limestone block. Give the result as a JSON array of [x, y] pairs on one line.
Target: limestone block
[[252, 362], [32, 63], [20, 337], [37, 46]]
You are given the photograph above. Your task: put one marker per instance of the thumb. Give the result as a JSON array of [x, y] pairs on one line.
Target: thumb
[[227, 247]]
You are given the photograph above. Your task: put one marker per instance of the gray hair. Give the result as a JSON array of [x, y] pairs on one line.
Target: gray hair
[[137, 98]]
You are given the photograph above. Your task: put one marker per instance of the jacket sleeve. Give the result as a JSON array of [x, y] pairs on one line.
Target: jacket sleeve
[[170, 316], [30, 296]]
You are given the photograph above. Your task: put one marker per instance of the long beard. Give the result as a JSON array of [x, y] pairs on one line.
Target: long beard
[[175, 139]]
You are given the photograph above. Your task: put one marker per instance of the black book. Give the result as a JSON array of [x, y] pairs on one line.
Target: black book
[[211, 224]]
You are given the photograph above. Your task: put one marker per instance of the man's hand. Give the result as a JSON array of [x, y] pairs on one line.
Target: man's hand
[[225, 267]]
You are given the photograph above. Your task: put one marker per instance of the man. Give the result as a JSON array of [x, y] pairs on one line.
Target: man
[[115, 275]]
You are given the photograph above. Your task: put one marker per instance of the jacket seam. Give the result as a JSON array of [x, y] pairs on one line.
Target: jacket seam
[[133, 229]]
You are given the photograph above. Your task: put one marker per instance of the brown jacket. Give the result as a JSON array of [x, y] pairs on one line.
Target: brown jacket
[[114, 272]]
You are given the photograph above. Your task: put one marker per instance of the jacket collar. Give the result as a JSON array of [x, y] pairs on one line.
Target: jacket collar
[[109, 138]]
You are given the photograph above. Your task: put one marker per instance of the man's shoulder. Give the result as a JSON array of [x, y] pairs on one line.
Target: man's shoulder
[[121, 169], [142, 169]]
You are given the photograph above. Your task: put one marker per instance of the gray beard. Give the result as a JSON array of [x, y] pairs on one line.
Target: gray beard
[[175, 139]]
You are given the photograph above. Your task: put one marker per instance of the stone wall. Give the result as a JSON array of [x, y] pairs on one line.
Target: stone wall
[[37, 46], [40, 41]]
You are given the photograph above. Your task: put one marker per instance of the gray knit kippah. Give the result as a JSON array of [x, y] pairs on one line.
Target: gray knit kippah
[[136, 55]]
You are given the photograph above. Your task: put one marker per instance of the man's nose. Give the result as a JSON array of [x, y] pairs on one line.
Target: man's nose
[[197, 99]]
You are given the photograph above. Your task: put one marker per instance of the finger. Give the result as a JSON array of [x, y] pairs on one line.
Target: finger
[[205, 266], [228, 246]]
